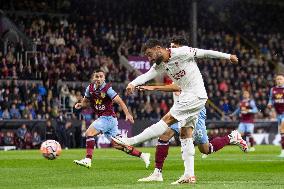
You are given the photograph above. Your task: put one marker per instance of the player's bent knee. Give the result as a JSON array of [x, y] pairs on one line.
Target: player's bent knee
[[89, 133], [167, 135], [186, 132], [282, 127], [204, 148]]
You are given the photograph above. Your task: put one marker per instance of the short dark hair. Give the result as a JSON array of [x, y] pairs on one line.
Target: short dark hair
[[98, 70], [151, 43], [179, 40], [279, 74]]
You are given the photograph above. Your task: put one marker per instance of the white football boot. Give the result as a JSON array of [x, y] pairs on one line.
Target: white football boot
[[185, 180], [203, 156], [281, 154], [251, 149], [146, 158], [236, 139], [86, 162], [156, 176]]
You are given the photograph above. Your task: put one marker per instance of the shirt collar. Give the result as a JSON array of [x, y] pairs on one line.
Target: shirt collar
[[102, 86]]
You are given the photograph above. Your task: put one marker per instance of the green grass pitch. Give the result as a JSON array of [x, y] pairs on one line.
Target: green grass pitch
[[229, 168]]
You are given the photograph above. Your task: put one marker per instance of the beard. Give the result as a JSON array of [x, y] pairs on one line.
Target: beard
[[159, 60]]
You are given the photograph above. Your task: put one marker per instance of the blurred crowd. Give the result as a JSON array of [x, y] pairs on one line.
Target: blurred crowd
[[84, 38], [29, 137]]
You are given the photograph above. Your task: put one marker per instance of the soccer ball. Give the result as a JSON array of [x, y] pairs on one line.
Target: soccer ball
[[50, 149]]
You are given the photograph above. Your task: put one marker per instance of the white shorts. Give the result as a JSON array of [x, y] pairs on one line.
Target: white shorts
[[187, 112]]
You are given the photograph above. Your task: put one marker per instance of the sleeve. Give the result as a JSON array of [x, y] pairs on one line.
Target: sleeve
[[184, 51], [111, 93], [237, 111], [201, 53], [151, 74], [254, 108], [270, 100], [87, 92]]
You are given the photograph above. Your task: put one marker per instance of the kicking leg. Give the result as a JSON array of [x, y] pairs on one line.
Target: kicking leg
[[153, 131]]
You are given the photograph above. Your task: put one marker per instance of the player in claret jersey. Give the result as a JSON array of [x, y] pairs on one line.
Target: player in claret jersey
[[100, 96], [276, 99], [246, 111]]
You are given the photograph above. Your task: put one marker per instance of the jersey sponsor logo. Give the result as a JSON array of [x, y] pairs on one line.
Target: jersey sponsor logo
[[103, 95], [279, 100], [179, 75]]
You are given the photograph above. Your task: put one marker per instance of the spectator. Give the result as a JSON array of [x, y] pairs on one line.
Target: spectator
[[50, 132], [36, 140], [70, 135], [21, 134], [9, 139], [14, 112], [72, 99], [60, 128], [6, 114]]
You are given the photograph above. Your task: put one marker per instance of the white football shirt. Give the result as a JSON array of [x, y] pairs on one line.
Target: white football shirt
[[183, 70]]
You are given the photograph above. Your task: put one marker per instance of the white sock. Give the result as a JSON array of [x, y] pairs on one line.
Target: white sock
[[142, 156], [153, 131], [188, 152], [157, 171]]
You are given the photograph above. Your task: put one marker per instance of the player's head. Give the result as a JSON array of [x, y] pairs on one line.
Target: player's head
[[98, 77], [178, 41], [154, 50], [246, 94], [279, 79]]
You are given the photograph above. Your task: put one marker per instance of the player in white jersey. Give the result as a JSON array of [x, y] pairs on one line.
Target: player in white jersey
[[180, 65], [199, 135]]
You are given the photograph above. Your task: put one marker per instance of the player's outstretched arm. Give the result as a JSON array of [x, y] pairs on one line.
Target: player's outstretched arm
[[83, 104], [128, 116], [201, 53], [270, 100], [140, 80], [254, 109], [166, 88]]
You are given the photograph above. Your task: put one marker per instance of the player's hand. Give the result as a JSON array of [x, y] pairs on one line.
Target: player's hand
[[78, 106], [234, 58], [129, 117], [177, 93], [146, 88], [130, 89]]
